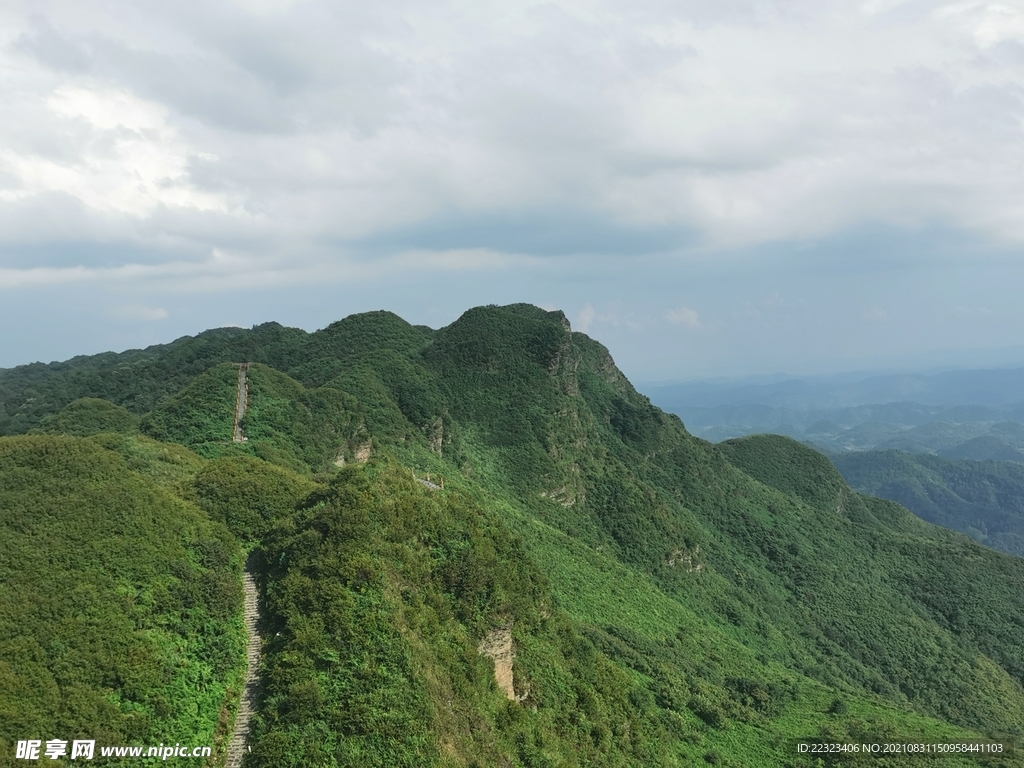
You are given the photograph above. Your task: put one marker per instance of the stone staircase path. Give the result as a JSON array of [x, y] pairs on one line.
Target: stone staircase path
[[241, 401], [237, 747]]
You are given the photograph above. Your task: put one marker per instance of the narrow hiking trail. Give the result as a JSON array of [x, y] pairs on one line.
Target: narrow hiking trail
[[237, 747], [241, 401]]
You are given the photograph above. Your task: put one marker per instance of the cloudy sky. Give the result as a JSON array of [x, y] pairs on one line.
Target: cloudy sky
[[710, 188]]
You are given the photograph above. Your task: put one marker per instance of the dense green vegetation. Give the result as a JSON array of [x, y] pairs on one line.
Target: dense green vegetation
[[89, 416], [246, 494], [118, 600], [984, 499], [944, 608], [138, 379], [378, 593], [670, 602], [201, 415]]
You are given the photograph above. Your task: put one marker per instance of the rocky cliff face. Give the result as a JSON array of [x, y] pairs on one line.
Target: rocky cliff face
[[497, 646]]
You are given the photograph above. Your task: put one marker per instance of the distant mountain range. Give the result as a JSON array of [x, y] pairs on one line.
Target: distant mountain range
[[1001, 388], [959, 414], [948, 446]]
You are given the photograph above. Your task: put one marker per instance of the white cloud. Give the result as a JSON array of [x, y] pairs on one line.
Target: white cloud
[[108, 110], [222, 270], [875, 314], [231, 147], [991, 23], [463, 259], [228, 271], [114, 153], [611, 317], [683, 316], [138, 312], [972, 311], [585, 317], [746, 123]]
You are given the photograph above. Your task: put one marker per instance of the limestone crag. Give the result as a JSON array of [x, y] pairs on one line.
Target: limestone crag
[[497, 646]]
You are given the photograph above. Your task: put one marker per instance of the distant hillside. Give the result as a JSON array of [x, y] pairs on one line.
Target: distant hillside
[[904, 426], [938, 413], [985, 448], [984, 499], [580, 582]]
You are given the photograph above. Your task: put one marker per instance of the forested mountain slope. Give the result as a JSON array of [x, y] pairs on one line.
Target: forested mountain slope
[[984, 499], [118, 598], [661, 600]]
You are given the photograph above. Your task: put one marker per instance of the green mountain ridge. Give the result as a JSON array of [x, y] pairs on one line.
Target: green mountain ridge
[[668, 601]]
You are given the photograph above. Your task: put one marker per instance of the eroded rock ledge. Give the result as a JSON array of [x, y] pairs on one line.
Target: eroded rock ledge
[[497, 646]]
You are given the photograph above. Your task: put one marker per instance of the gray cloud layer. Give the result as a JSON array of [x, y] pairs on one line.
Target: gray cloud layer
[[199, 147]]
